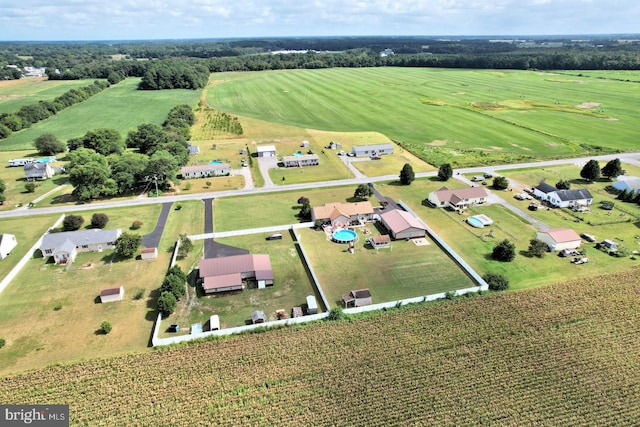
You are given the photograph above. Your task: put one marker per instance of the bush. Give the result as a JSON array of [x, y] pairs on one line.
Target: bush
[[496, 282], [167, 303], [139, 294], [537, 248], [99, 220], [407, 175], [30, 187], [445, 172], [504, 251], [2, 342], [500, 183], [136, 225], [72, 222], [174, 284], [105, 327], [336, 313]]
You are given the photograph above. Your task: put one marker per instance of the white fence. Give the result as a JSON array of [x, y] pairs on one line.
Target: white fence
[[271, 229], [23, 261]]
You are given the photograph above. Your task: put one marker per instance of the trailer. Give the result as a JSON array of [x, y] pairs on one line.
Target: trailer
[[21, 162]]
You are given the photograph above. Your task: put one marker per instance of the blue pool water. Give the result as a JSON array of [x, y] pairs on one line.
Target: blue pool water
[[475, 222], [344, 236], [46, 160], [298, 153], [215, 162]]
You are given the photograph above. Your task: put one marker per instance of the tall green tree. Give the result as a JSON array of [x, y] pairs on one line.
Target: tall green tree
[[500, 183], [445, 171], [128, 170], [363, 192], [186, 246], [407, 175], [48, 145], [167, 303], [504, 251], [174, 284], [563, 184], [104, 141], [591, 170], [612, 169], [163, 167], [127, 244], [147, 138]]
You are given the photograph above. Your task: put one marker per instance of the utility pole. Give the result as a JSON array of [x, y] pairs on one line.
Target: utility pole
[[155, 178]]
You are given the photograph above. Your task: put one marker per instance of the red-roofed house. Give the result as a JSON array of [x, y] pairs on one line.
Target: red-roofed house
[[402, 225], [458, 199], [228, 273], [560, 238]]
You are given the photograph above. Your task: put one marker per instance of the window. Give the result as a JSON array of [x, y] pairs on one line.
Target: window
[[48, 251], [85, 246]]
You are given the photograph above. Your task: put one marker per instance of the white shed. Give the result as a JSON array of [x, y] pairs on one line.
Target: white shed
[[312, 305], [214, 323], [266, 150], [112, 294], [7, 243]]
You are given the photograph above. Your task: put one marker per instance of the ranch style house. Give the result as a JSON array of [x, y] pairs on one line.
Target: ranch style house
[[65, 246], [458, 199]]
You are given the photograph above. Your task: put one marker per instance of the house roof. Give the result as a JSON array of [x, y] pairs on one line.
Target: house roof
[[222, 281], [561, 235], [260, 264], [80, 237], [631, 183], [111, 291], [300, 158], [457, 195], [384, 238], [398, 220], [265, 148], [7, 239], [579, 194], [545, 188], [36, 167], [331, 210], [361, 293], [204, 168]]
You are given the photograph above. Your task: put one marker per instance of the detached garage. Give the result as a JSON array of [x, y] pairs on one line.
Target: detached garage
[[403, 225], [266, 150], [560, 238]]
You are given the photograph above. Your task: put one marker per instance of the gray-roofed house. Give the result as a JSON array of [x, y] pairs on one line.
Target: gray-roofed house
[[226, 274], [37, 170], [64, 247], [570, 198], [542, 191], [402, 225], [299, 161], [372, 150], [204, 171]]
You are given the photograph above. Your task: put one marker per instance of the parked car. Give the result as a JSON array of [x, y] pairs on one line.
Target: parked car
[[533, 206], [275, 236], [588, 237]]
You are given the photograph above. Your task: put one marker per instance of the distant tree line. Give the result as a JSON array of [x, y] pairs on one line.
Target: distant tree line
[[33, 113]]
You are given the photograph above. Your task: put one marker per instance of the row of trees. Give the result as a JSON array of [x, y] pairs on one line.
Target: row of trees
[[171, 74], [591, 171], [33, 113]]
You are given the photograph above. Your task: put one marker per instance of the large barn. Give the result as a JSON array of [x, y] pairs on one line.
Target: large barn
[[226, 274], [558, 239], [402, 225]]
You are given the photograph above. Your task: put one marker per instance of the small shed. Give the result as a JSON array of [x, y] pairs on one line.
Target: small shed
[[258, 317], [312, 305], [112, 294], [196, 328], [7, 243], [149, 253], [357, 298], [214, 322], [380, 242], [296, 311], [304, 144]]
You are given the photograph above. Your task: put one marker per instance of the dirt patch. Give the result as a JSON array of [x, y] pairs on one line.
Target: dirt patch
[[4, 83], [588, 105], [88, 265], [438, 142], [458, 93]]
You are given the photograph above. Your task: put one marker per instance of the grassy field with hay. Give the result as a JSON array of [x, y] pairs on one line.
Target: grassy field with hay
[[557, 355], [465, 117]]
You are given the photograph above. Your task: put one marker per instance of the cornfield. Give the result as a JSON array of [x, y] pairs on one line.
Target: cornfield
[[561, 355]]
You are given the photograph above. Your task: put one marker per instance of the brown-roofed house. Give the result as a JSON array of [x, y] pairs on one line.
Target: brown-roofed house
[[402, 225], [458, 199], [228, 273], [343, 213], [112, 294], [357, 298], [560, 238]]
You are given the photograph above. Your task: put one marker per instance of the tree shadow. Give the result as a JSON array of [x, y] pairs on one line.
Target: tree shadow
[[99, 331], [60, 180], [396, 183], [65, 199]]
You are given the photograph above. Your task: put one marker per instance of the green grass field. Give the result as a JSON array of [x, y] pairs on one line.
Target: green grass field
[[119, 107], [15, 94], [443, 115]]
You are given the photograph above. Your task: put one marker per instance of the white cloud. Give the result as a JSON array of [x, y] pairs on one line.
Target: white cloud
[[138, 19]]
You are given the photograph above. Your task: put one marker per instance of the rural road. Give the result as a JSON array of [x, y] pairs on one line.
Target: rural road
[[629, 158]]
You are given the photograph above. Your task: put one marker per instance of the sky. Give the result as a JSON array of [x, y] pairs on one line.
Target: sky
[[46, 20]]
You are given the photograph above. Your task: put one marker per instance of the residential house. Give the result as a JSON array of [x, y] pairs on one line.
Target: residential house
[[204, 171], [371, 150], [342, 214], [458, 199], [357, 298], [402, 225], [224, 274], [542, 191], [303, 160], [570, 198], [64, 247], [7, 243], [631, 184], [558, 239], [112, 294], [38, 170], [266, 150]]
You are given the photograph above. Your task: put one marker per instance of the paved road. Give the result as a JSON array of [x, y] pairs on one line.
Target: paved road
[[631, 158], [152, 240]]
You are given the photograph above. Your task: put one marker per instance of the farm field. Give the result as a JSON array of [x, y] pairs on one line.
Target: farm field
[[119, 107], [291, 286], [479, 361], [475, 245], [465, 117], [404, 271], [15, 94], [49, 314]]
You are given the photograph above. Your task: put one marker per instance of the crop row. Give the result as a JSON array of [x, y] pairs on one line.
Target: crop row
[[558, 355]]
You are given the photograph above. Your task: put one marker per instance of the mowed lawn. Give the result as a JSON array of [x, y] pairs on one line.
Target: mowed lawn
[[475, 245], [291, 286], [121, 107], [404, 271], [444, 115], [50, 314], [15, 94]]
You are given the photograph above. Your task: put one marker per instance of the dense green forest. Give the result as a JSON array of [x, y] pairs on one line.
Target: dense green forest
[[156, 61]]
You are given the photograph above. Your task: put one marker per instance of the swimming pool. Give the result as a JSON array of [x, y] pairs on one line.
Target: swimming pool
[[344, 236], [475, 222], [215, 162]]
